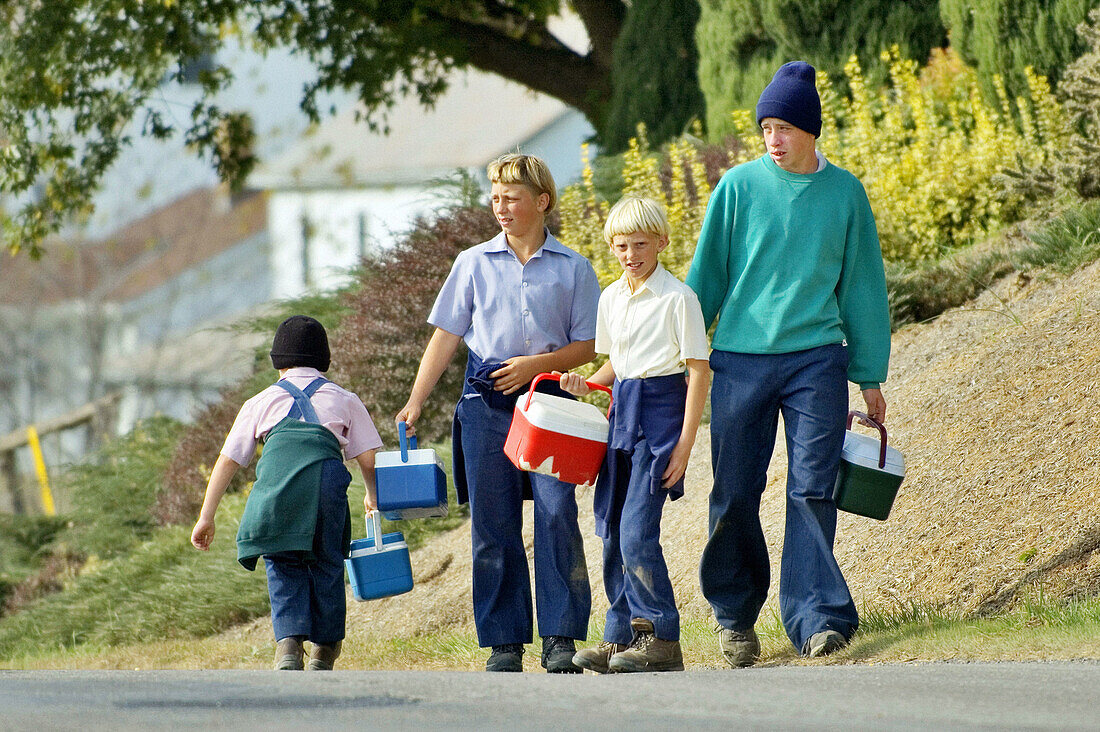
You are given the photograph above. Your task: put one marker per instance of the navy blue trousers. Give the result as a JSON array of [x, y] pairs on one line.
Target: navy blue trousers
[[307, 595], [749, 392], [501, 580], [635, 575]]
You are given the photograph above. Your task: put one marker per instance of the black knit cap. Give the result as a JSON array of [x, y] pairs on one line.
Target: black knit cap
[[792, 97], [300, 341]]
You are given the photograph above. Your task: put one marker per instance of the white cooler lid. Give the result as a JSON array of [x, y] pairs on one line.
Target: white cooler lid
[[864, 450], [565, 416], [390, 458]]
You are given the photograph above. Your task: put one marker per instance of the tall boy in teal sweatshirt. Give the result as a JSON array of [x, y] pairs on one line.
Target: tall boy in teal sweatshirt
[[789, 262]]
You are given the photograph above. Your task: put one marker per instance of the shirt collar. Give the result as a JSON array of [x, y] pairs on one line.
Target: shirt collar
[[303, 372], [655, 283], [499, 243]]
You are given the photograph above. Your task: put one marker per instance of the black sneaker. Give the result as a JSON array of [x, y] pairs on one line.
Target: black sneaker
[[508, 657], [557, 655]]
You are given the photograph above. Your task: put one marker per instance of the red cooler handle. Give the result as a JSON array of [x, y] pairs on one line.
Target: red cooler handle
[[553, 377], [881, 432]]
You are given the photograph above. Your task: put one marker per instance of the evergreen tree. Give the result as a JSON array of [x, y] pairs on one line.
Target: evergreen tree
[[743, 42], [653, 73], [1005, 36]]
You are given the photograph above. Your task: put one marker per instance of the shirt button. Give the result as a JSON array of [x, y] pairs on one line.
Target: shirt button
[[526, 312], [525, 283], [527, 342]]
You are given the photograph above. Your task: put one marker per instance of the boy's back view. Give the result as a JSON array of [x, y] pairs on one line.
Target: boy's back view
[[297, 515]]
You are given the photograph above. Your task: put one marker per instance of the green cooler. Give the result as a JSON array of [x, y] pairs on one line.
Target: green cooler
[[870, 473]]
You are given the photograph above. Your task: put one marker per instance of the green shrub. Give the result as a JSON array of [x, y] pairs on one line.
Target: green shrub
[[928, 152], [743, 42], [162, 588], [22, 543], [1067, 241], [653, 73], [1003, 38], [114, 490]]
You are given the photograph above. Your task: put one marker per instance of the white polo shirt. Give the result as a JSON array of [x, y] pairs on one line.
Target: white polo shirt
[[652, 331]]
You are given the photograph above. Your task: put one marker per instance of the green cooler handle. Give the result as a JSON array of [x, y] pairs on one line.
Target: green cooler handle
[[881, 430], [553, 377]]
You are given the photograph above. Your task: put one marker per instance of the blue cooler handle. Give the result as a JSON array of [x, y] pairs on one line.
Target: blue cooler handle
[[881, 430], [374, 528], [405, 442]]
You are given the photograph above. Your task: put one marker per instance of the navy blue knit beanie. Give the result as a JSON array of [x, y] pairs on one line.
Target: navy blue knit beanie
[[300, 341], [792, 97]]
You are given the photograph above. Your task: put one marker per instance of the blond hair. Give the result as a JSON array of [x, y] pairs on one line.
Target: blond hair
[[529, 170], [636, 213]]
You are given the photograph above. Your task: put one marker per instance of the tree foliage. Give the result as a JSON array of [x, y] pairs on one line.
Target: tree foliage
[[742, 43], [1076, 170], [1004, 37], [654, 76], [79, 78]]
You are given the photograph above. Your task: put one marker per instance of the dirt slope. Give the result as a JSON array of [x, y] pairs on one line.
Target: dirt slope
[[996, 407]]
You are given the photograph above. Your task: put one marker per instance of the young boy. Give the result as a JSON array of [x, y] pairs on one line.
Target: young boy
[[524, 304], [297, 514], [650, 325]]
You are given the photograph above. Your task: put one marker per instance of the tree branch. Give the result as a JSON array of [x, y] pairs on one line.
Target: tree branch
[[603, 19], [538, 60]]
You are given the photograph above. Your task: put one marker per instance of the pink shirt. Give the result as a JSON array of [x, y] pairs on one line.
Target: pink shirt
[[341, 411]]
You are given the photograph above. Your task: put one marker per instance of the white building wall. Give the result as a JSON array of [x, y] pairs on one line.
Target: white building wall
[[331, 230]]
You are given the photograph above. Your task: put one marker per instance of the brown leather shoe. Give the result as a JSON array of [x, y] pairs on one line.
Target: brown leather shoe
[[596, 659], [740, 648], [289, 653], [321, 658], [647, 652]]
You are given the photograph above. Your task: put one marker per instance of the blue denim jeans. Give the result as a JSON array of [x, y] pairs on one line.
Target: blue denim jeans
[[501, 584], [635, 575], [307, 595], [810, 389]]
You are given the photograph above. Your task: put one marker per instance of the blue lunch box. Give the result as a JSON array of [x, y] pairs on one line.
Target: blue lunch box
[[411, 483], [379, 571]]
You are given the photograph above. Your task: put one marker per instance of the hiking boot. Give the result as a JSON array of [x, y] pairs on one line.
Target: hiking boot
[[557, 655], [289, 653], [647, 652], [596, 659], [508, 657], [741, 648], [322, 657], [824, 643]]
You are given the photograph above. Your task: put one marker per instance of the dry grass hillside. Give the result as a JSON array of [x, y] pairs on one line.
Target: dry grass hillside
[[996, 407]]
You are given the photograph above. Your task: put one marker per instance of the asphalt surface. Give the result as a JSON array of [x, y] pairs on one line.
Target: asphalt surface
[[1062, 695]]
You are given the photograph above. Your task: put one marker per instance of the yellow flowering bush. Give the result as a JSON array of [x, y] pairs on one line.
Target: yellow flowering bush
[[928, 151], [683, 189]]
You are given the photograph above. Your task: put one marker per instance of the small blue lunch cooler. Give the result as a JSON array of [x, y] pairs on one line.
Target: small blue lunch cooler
[[379, 570], [411, 483]]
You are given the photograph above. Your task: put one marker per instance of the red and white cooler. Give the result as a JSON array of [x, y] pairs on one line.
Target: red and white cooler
[[556, 436]]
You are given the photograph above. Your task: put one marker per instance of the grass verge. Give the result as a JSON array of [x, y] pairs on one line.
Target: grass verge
[[1036, 630]]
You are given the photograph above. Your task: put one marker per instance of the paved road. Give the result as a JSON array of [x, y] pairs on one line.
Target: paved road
[[924, 696]]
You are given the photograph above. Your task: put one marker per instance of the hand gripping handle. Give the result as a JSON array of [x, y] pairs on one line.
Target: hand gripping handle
[[881, 431], [553, 377], [374, 528], [406, 443]]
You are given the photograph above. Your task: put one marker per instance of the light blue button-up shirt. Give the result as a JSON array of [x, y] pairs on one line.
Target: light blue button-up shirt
[[502, 308]]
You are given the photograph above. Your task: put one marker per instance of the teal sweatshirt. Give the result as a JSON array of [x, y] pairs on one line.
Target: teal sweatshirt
[[788, 262]]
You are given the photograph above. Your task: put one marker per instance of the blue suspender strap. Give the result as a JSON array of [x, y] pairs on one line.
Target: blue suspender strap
[[302, 406]]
